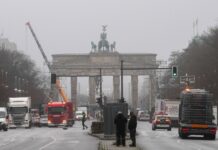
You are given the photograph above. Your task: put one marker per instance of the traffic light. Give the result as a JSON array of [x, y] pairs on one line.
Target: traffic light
[[53, 78], [99, 100], [174, 71]]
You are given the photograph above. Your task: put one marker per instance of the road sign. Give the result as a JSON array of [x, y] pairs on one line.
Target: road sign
[[187, 79]]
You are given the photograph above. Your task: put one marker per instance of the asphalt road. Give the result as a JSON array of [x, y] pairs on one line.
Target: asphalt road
[[169, 140], [44, 138], [75, 138]]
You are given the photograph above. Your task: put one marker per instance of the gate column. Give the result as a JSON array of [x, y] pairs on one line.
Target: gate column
[[74, 90], [134, 82], [116, 88], [92, 87]]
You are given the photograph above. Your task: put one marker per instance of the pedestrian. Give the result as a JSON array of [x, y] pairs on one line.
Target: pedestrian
[[132, 128], [83, 120], [120, 121]]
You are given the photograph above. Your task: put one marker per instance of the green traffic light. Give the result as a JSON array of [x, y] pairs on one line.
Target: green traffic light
[[174, 71]]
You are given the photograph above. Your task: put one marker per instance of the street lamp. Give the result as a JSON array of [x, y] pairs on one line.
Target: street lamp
[[2, 77], [15, 85], [6, 79]]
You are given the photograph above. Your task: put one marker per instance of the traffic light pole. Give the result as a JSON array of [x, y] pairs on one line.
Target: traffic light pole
[[100, 85], [121, 73]]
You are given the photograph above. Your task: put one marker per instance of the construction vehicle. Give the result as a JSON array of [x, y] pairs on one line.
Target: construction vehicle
[[19, 112], [196, 114], [60, 114], [65, 104]]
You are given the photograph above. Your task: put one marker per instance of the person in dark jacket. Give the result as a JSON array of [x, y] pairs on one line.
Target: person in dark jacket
[[132, 128], [120, 121], [83, 120]]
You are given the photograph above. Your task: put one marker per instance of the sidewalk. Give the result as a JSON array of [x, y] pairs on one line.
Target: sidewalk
[[106, 143]]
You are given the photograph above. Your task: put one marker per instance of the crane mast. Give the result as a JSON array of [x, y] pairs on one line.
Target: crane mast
[[39, 46], [58, 85]]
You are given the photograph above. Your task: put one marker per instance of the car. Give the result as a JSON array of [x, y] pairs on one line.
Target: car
[[79, 115], [161, 122], [43, 120], [35, 117], [143, 117], [3, 119]]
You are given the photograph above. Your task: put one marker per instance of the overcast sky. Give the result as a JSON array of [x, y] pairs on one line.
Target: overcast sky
[[137, 26]]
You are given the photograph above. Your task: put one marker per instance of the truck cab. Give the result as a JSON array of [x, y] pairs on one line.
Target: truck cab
[[3, 119], [60, 113], [19, 112]]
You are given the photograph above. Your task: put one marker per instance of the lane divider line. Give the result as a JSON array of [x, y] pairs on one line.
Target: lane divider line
[[53, 141]]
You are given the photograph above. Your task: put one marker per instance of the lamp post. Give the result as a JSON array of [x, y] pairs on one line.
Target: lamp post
[[6, 79], [15, 86], [2, 77]]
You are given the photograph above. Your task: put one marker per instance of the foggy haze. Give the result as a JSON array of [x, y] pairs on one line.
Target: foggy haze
[[137, 26]]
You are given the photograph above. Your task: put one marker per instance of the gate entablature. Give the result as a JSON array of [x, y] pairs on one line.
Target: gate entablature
[[88, 64]]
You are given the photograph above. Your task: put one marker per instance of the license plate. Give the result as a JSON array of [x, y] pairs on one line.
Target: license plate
[[162, 125], [199, 126]]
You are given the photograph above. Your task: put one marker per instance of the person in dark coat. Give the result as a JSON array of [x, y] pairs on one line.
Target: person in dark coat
[[120, 121], [132, 128], [83, 120]]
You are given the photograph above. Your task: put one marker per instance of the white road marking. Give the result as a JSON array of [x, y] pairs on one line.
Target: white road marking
[[73, 142], [144, 133], [178, 141], [54, 140]]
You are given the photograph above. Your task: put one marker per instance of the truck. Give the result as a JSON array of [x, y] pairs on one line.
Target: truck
[[3, 119], [60, 113], [159, 109], [19, 112], [172, 110], [196, 114]]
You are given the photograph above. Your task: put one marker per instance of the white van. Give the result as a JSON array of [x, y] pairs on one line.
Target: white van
[[3, 119]]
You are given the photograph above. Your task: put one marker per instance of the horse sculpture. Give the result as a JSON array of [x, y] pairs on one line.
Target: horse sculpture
[[93, 46], [113, 45]]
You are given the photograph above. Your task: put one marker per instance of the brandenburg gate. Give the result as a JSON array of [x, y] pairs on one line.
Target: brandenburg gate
[[104, 56]]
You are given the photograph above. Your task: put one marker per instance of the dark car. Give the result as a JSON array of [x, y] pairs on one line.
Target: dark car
[[161, 122]]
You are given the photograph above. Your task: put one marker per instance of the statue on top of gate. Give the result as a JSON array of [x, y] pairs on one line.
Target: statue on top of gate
[[103, 44]]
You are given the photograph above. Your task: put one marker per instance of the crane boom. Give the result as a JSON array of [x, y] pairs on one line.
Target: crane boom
[[39, 46], [58, 85], [61, 90]]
